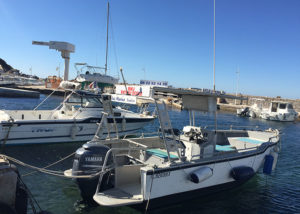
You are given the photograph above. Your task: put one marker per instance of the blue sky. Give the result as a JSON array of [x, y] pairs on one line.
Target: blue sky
[[168, 40]]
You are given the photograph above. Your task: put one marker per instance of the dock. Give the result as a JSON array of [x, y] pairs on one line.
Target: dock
[[43, 90], [16, 92]]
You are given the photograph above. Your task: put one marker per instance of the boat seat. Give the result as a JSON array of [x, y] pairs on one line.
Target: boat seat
[[225, 148], [249, 140], [160, 153], [244, 142]]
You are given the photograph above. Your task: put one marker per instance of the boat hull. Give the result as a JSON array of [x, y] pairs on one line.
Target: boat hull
[[186, 196], [51, 131], [173, 186]]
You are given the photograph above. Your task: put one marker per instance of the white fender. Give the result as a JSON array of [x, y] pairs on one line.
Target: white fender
[[123, 124], [201, 174]]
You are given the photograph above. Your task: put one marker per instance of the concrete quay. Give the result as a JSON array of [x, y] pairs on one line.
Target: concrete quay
[[231, 106], [43, 90], [16, 92]]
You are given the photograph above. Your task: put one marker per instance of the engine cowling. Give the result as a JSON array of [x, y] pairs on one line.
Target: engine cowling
[[89, 159]]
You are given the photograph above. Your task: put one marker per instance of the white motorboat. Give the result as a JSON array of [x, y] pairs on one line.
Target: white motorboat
[[157, 170], [90, 74], [74, 120], [254, 110], [279, 111]]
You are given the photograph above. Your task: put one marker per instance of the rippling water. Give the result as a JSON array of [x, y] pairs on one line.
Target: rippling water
[[278, 193]]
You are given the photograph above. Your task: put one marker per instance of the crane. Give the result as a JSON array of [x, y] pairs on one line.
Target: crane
[[64, 47]]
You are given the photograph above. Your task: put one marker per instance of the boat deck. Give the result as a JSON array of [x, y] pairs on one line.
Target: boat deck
[[123, 195]]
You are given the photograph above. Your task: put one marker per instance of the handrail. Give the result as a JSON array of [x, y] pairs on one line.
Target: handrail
[[106, 159], [45, 99], [221, 154], [63, 102], [142, 134], [118, 149]]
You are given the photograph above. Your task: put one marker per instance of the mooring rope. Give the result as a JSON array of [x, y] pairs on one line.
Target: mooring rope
[[11, 120], [148, 201], [52, 164], [52, 172]]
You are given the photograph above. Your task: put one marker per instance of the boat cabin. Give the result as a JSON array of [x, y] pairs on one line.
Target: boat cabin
[[280, 106]]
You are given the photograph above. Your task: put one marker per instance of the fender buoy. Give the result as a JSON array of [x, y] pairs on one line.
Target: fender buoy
[[242, 173], [201, 174]]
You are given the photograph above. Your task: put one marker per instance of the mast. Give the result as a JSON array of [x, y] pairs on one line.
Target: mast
[[107, 38], [215, 113], [214, 45]]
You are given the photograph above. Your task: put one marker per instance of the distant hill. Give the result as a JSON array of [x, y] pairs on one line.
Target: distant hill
[[10, 70], [5, 67]]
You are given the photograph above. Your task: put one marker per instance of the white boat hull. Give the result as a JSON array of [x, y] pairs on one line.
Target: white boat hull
[[61, 131], [285, 117], [177, 181]]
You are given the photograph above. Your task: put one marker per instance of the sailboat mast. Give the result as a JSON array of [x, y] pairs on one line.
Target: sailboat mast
[[107, 38]]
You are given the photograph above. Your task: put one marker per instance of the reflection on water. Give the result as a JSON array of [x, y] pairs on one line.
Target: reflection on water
[[278, 193]]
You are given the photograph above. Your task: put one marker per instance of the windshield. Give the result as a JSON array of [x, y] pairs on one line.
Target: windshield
[[92, 102], [282, 105], [290, 106], [86, 101], [74, 99]]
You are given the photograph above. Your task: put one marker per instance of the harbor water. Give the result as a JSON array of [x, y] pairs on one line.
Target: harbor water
[[277, 193]]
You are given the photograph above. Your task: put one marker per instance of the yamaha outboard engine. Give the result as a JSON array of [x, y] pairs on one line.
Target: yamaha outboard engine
[[89, 160]]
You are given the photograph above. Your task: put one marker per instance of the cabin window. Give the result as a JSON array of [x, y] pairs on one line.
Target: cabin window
[[282, 105], [274, 107], [290, 106]]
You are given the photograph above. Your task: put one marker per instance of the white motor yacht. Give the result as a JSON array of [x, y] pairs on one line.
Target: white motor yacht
[[279, 111], [74, 120], [153, 171]]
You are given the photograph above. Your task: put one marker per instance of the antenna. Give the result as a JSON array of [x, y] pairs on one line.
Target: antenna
[[215, 114], [214, 45], [237, 82], [107, 38]]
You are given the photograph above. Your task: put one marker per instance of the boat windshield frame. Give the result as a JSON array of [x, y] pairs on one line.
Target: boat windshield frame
[[82, 98]]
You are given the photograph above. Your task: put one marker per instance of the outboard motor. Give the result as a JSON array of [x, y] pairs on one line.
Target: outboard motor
[[89, 160], [245, 112]]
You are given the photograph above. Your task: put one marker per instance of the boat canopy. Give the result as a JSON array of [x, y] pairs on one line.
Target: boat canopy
[[197, 100]]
